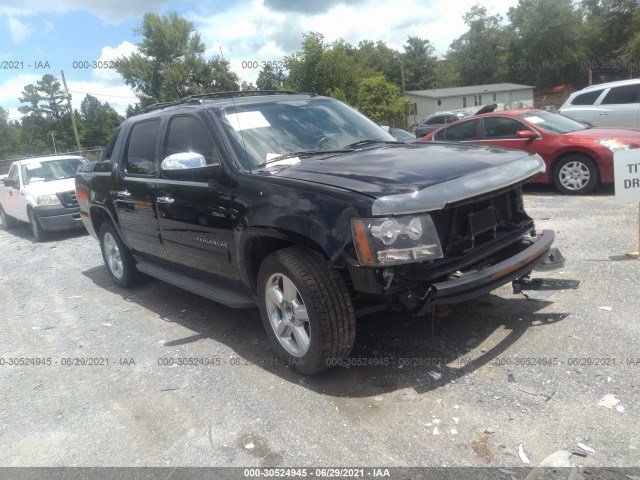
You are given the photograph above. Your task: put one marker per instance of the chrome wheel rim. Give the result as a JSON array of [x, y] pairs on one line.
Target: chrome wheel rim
[[288, 314], [574, 175], [112, 256]]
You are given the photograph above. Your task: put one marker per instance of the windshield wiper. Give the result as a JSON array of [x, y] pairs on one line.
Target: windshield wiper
[[365, 142], [303, 154]]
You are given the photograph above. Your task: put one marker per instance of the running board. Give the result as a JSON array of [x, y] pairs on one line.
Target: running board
[[521, 284], [215, 291]]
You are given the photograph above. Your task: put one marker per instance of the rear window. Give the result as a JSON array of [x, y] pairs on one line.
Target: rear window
[[459, 132], [587, 98], [620, 95]]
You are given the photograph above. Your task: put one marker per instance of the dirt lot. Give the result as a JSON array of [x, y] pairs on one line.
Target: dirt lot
[[505, 378]]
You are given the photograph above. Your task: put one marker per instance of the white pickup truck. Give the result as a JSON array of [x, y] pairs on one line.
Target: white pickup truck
[[41, 191]]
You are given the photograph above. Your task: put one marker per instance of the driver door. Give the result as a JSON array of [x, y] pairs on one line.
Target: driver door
[[194, 216]]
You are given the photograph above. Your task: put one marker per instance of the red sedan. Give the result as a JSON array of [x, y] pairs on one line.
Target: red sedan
[[577, 157]]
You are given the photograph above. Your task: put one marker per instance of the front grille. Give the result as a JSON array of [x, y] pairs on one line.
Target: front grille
[[469, 225], [68, 199]]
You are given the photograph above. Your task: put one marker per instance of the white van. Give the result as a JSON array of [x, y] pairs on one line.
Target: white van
[[615, 104]]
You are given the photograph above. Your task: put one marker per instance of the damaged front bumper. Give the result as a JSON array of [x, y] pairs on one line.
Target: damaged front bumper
[[477, 282]]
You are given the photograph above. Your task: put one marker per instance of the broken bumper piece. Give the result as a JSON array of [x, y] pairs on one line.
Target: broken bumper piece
[[475, 283]]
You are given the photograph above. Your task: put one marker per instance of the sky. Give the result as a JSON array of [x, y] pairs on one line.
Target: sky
[[79, 37]]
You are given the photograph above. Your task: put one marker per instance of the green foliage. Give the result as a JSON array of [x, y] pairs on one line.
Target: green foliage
[[419, 64], [546, 40], [170, 63], [540, 42], [479, 56], [97, 122], [9, 135], [45, 99], [381, 101], [270, 79]]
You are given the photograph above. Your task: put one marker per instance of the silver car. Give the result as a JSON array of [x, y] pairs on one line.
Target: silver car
[[615, 104]]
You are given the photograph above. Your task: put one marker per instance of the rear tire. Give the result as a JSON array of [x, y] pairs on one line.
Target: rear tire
[[39, 234], [117, 257], [306, 310], [576, 175], [7, 221]]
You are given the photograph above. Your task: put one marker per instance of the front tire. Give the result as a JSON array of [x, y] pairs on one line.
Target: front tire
[[39, 234], [117, 257], [306, 310], [7, 221], [576, 175]]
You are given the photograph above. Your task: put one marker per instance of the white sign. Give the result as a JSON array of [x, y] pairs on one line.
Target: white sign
[[626, 170], [246, 120]]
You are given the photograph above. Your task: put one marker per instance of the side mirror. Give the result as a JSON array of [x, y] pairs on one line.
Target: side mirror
[[189, 166], [8, 182], [530, 134]]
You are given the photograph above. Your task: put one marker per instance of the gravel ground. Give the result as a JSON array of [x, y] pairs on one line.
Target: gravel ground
[[495, 386]]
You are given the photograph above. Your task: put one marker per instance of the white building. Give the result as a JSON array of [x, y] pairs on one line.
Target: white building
[[505, 95]]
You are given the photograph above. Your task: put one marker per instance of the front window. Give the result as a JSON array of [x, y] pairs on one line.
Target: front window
[[553, 122], [260, 132], [499, 128], [50, 170]]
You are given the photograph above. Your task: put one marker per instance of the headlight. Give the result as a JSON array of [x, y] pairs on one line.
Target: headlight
[[47, 200], [614, 145], [395, 240]]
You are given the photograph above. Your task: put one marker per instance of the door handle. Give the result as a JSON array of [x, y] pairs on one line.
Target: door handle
[[604, 114], [165, 200]]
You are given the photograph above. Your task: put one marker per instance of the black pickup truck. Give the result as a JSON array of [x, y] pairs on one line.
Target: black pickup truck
[[303, 206]]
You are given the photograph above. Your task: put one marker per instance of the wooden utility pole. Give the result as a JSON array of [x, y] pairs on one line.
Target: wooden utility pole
[[73, 117]]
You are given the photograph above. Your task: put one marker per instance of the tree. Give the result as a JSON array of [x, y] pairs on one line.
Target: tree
[[170, 62], [612, 37], [9, 136], [97, 122], [44, 99], [548, 39], [46, 117], [479, 56], [381, 101], [380, 58], [270, 79], [326, 68], [419, 63], [303, 64]]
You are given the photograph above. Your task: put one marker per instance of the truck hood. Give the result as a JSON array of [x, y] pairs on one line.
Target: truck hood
[[51, 187], [432, 174]]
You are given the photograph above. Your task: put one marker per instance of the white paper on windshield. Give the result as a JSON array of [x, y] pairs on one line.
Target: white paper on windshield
[[535, 119], [33, 166], [247, 120], [284, 161]]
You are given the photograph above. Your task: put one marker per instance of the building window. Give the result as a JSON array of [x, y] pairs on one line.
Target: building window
[[479, 99], [439, 102], [495, 97], [475, 100], [464, 102]]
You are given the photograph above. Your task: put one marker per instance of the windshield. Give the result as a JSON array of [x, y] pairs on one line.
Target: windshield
[[263, 131], [553, 122], [50, 170]]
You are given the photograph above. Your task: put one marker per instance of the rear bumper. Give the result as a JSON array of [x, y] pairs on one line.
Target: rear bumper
[[474, 283], [57, 217]]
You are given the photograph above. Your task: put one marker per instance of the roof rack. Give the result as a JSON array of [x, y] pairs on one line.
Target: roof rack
[[195, 99]]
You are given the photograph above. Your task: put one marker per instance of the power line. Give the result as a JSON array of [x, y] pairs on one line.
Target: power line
[[103, 94]]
